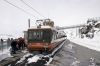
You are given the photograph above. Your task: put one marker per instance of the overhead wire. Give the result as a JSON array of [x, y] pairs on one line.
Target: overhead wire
[[20, 9], [32, 8]]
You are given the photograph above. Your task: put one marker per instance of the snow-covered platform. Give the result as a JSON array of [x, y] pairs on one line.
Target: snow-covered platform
[[93, 43]]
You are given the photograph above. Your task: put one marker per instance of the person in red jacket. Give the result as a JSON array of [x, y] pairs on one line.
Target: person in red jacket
[[19, 43]]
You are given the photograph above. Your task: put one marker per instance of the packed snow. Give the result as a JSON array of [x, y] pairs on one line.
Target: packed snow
[[34, 59], [50, 59], [23, 58]]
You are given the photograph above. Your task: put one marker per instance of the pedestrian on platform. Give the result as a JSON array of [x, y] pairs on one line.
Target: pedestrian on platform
[[2, 44], [11, 40], [13, 46], [8, 42], [19, 43], [23, 43], [1, 41]]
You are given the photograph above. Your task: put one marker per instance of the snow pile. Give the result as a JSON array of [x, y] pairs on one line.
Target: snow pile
[[75, 63], [24, 51], [93, 62], [50, 59], [23, 58], [34, 58]]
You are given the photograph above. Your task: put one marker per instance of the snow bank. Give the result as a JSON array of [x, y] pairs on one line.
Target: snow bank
[[93, 43]]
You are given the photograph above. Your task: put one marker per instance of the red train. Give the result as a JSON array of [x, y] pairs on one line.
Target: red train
[[44, 38]]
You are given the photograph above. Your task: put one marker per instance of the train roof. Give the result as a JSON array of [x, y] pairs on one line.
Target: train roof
[[42, 27], [45, 28]]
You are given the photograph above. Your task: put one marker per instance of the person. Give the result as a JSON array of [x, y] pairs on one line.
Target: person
[[19, 43], [1, 41], [8, 42], [82, 36], [11, 40], [2, 44], [13, 46], [23, 44]]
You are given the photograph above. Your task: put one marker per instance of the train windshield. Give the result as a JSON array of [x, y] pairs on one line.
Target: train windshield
[[39, 35]]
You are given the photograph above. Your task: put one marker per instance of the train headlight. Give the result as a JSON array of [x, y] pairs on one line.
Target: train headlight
[[30, 43]]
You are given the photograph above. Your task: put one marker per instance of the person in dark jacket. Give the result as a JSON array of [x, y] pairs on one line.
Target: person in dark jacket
[[1, 41], [23, 44], [19, 43], [13, 45]]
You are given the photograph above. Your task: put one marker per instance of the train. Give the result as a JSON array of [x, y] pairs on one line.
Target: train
[[44, 39]]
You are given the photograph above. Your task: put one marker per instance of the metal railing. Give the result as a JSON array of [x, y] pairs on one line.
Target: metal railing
[[68, 27]]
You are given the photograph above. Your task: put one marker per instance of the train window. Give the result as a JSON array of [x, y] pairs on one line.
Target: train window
[[47, 35], [35, 35], [54, 35], [39, 35], [30, 35]]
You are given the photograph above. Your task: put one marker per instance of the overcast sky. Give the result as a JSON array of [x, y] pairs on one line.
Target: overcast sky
[[62, 12]]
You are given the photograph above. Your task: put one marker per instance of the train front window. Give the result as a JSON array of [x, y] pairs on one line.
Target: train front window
[[39, 35], [35, 35]]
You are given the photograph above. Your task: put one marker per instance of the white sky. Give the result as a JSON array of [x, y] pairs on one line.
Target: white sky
[[62, 12]]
